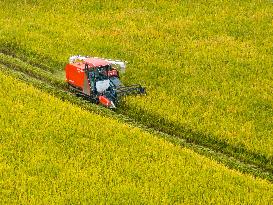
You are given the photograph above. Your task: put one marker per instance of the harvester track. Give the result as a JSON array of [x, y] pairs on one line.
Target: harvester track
[[46, 81]]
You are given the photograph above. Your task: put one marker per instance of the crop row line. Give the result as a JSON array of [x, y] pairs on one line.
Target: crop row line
[[234, 158]]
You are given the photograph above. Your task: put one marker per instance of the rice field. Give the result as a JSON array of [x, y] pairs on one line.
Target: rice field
[[55, 152], [207, 67]]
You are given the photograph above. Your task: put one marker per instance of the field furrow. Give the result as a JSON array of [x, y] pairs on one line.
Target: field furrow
[[38, 77], [56, 152]]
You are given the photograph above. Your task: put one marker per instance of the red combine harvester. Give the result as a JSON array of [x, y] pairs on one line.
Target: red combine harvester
[[97, 80]]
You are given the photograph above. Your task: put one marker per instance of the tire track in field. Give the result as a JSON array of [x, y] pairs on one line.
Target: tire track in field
[[200, 143]]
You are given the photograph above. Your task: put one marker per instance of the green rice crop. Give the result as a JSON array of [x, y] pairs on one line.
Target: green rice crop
[[54, 152]]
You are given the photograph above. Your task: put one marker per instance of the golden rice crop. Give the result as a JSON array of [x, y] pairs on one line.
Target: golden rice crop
[[54, 152], [207, 66]]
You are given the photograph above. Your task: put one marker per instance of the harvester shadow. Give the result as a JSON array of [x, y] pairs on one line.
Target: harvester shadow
[[238, 152]]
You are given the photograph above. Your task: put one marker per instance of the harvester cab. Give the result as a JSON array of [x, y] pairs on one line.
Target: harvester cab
[[98, 80]]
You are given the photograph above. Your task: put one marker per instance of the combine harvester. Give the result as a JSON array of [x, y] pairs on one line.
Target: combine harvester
[[98, 80]]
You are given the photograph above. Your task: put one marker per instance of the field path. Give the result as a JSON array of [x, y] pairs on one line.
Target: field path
[[52, 82]]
